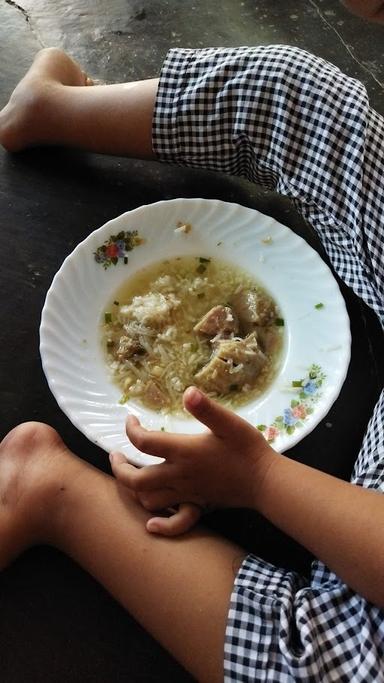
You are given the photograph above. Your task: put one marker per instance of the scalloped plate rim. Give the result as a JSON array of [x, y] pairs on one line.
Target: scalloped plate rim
[[202, 205]]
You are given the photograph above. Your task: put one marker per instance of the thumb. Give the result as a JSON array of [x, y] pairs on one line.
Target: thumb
[[221, 421]]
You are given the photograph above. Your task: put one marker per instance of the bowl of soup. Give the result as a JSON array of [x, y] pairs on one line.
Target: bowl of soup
[[194, 291]]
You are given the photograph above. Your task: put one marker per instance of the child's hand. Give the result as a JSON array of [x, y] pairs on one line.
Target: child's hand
[[172, 521], [223, 467]]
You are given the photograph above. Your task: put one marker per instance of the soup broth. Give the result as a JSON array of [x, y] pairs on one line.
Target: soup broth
[[192, 320]]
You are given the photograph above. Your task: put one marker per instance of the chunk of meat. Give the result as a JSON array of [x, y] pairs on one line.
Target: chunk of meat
[[154, 396], [268, 338], [127, 348], [234, 363], [252, 309], [220, 320], [241, 350]]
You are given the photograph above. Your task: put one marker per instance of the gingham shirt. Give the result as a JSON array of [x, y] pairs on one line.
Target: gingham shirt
[[293, 123]]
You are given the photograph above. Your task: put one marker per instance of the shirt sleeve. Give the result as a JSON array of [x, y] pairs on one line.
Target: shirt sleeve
[[281, 630], [290, 122]]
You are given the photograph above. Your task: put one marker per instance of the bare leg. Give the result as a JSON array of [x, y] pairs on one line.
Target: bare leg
[[51, 106], [178, 589]]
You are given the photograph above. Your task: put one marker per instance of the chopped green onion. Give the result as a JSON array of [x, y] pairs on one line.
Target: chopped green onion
[[318, 306], [116, 303], [297, 383], [204, 260], [107, 318], [279, 322], [261, 428]]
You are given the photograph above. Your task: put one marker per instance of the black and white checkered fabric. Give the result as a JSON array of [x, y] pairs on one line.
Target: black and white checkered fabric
[[293, 123]]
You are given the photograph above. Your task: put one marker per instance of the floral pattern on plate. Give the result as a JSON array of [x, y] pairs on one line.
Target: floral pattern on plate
[[307, 394], [116, 248]]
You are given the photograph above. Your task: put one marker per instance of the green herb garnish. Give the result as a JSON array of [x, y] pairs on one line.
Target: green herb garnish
[[318, 306], [107, 318], [279, 322]]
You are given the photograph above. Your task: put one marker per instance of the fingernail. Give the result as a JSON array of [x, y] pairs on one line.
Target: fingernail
[[194, 396]]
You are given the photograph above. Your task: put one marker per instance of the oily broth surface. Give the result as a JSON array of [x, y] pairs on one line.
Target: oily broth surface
[[200, 284]]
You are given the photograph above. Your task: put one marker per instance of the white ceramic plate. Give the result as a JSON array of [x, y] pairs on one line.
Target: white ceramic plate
[[317, 335]]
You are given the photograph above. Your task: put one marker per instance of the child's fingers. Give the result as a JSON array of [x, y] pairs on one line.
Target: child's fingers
[[219, 420], [179, 523], [122, 469], [160, 499], [154, 443], [139, 479], [117, 458]]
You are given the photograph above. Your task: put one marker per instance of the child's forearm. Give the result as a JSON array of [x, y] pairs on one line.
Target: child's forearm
[[340, 523]]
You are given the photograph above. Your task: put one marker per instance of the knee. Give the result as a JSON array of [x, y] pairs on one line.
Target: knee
[[30, 434]]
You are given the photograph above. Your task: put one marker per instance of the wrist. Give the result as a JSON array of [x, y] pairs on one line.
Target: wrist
[[263, 462]]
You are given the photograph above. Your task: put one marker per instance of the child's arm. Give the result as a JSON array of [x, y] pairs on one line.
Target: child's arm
[[232, 465]]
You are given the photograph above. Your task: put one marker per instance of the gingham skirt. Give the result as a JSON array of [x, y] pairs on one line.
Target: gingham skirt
[[293, 123]]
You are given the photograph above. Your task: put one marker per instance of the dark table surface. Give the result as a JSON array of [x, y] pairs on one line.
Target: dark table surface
[[56, 624]]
